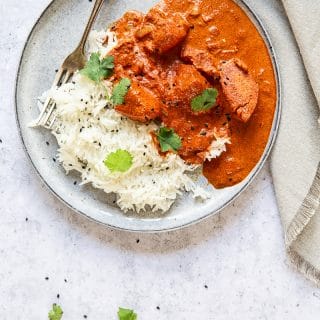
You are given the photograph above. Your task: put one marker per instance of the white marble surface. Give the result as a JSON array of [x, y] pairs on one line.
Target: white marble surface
[[239, 255]]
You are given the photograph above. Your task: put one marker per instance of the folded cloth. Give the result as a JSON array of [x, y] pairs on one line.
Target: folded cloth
[[295, 159]]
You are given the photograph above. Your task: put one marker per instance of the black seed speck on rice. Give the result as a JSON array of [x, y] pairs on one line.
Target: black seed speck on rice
[[206, 286], [75, 183], [85, 316], [65, 280], [58, 296], [27, 219], [138, 240], [158, 308], [47, 143], [54, 160], [46, 278]]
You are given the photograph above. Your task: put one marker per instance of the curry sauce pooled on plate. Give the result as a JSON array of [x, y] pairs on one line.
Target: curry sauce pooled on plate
[[201, 69]]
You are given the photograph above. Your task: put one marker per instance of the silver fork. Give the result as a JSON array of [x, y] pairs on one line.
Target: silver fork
[[75, 61]]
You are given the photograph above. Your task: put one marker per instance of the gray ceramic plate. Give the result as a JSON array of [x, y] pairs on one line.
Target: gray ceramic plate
[[56, 34]]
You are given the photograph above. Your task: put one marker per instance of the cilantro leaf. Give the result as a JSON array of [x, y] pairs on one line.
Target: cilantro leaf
[[126, 314], [205, 101], [119, 161], [55, 313], [168, 140], [96, 69], [119, 91]]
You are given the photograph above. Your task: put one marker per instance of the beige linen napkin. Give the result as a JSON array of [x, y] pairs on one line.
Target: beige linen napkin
[[295, 159]]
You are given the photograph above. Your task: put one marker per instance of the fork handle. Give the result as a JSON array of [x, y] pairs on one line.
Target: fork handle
[[97, 6]]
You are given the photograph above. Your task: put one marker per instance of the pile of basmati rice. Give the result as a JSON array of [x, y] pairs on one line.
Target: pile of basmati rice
[[88, 129]]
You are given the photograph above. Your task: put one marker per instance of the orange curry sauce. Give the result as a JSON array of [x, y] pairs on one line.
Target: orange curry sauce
[[179, 49]]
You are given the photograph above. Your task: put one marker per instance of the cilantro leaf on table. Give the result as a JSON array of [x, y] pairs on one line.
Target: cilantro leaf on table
[[55, 313], [205, 101], [126, 314], [119, 91], [168, 140], [119, 161], [96, 69]]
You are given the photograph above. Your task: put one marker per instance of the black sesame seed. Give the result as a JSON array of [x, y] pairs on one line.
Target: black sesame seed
[[27, 219], [158, 308], [138, 240], [47, 143], [206, 286], [65, 280], [54, 160], [46, 278], [85, 316], [75, 183], [58, 296]]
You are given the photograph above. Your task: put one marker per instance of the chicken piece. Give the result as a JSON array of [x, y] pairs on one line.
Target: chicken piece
[[128, 23], [239, 88], [201, 59], [184, 83], [162, 31], [140, 104]]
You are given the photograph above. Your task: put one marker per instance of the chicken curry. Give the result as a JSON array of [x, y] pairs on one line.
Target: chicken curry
[[182, 49]]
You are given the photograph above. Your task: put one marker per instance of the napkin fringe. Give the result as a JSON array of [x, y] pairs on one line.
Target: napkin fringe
[[306, 211], [305, 267]]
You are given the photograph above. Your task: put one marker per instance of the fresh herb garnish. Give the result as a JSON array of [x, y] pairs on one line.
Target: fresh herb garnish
[[96, 69], [168, 140], [119, 91], [55, 313], [126, 314], [205, 101], [119, 161]]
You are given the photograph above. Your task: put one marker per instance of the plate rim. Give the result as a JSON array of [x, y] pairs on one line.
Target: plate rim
[[254, 172]]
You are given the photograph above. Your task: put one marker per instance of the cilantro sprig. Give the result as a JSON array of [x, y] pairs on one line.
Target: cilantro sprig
[[169, 140], [126, 314], [97, 69], [119, 161], [55, 313], [205, 101], [119, 91]]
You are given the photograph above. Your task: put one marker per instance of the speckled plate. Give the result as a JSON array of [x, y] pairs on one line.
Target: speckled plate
[[56, 34]]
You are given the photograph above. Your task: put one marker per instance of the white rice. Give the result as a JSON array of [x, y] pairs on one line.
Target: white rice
[[88, 129]]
